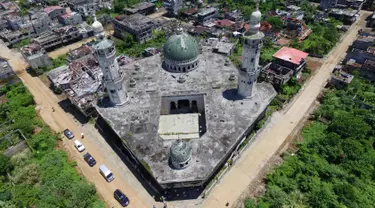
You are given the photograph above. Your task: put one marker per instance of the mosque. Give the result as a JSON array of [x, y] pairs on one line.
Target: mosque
[[181, 114]]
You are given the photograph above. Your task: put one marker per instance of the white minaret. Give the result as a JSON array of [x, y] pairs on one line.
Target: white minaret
[[98, 29], [105, 52], [252, 43]]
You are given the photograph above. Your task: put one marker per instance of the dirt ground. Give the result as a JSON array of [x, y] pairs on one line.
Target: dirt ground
[[313, 63], [262, 151], [58, 121]]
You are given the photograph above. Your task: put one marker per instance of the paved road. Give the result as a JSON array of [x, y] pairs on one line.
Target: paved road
[[66, 49], [59, 120], [236, 181]]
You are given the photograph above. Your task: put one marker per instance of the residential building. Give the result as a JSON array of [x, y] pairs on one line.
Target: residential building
[[173, 7], [8, 7], [54, 11], [287, 62], [58, 37], [139, 26], [363, 42], [40, 21], [71, 18], [6, 70], [3, 24], [234, 16], [340, 78], [80, 52], [86, 8], [371, 20], [206, 15], [144, 8], [36, 56], [296, 29], [362, 49], [224, 23], [80, 80], [190, 13], [353, 4], [348, 16]]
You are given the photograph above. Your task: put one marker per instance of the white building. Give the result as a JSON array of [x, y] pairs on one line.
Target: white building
[[252, 43], [113, 80]]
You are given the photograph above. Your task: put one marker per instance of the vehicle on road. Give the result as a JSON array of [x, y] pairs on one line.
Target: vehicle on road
[[106, 173], [68, 134], [89, 159], [79, 146], [121, 198]]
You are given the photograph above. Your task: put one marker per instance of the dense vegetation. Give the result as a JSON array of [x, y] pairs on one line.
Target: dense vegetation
[[320, 41], [42, 176], [334, 165]]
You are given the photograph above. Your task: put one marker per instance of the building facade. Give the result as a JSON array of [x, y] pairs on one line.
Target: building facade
[[252, 43], [139, 26], [72, 18], [54, 11], [105, 52], [41, 22], [173, 7], [6, 70], [36, 56]]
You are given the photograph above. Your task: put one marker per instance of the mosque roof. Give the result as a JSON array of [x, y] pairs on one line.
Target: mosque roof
[[180, 47]]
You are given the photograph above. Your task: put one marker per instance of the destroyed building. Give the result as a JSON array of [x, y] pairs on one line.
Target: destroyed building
[[54, 11], [287, 63], [57, 37], [340, 78], [139, 26], [6, 70], [80, 52], [40, 21], [173, 7], [143, 8], [207, 15], [80, 80], [36, 56], [71, 18]]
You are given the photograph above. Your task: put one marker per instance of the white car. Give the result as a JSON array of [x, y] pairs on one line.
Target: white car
[[79, 146]]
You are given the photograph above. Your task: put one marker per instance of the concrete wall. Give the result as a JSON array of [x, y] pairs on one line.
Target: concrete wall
[[166, 102]]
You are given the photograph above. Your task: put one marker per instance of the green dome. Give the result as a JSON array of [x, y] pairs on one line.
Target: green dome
[[180, 47]]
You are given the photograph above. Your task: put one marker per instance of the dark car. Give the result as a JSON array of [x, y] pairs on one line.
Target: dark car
[[121, 198], [89, 159], [68, 134]]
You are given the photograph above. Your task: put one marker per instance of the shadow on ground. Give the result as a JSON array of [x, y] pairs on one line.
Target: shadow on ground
[[68, 107]]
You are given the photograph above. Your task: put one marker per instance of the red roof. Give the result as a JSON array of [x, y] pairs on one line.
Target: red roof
[[291, 55], [265, 26], [51, 9], [224, 23], [191, 11]]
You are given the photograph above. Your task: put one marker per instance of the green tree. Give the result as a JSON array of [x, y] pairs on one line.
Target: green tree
[[5, 165], [276, 22]]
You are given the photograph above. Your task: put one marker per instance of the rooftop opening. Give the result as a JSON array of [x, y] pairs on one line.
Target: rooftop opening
[[182, 117]]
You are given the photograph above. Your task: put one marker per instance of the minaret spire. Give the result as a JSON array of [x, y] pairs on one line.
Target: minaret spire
[[252, 42]]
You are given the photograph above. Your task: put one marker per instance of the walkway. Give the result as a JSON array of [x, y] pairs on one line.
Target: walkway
[[237, 180]]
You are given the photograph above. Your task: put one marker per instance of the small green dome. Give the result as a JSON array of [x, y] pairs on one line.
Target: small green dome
[[180, 47]]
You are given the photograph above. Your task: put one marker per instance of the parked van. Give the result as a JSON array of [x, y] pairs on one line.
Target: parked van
[[106, 173]]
